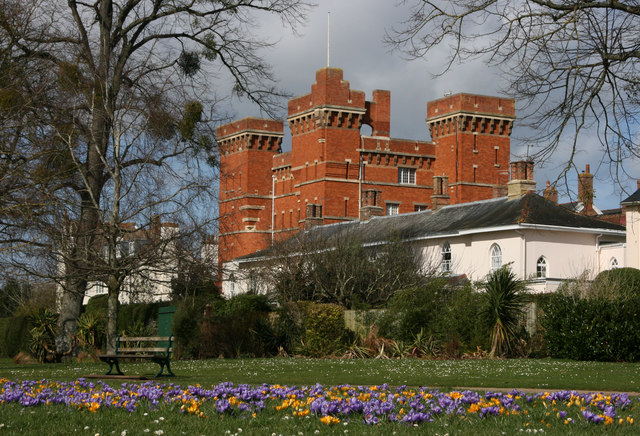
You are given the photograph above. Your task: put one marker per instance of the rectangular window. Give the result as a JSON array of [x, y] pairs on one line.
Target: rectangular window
[[392, 209], [420, 207], [407, 176]]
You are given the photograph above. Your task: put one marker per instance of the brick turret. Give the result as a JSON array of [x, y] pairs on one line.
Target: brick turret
[[246, 148], [471, 134]]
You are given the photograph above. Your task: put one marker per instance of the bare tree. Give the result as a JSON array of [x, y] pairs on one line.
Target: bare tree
[[573, 64], [134, 113], [343, 269]]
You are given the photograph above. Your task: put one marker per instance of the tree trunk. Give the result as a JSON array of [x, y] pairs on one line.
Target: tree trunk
[[70, 307], [112, 314]]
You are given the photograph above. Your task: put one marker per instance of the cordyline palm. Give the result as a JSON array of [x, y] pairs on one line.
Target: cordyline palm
[[503, 308]]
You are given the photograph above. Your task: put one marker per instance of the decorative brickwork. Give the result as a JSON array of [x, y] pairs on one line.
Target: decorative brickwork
[[334, 174]]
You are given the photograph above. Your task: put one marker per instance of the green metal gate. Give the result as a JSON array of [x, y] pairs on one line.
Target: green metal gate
[[165, 321]]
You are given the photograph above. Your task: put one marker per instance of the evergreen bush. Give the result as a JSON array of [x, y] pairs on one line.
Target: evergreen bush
[[14, 335], [592, 328], [186, 324], [447, 314], [616, 283], [238, 327], [324, 329], [137, 319]]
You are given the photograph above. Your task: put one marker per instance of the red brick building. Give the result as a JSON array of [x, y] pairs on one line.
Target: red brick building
[[333, 173]]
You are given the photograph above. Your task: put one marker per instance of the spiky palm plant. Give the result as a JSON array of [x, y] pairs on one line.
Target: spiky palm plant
[[504, 305]]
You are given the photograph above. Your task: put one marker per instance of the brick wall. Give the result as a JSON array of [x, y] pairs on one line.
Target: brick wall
[[330, 162]]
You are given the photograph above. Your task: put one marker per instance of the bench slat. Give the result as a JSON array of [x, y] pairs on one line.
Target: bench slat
[[144, 339], [159, 355], [133, 356], [144, 350]]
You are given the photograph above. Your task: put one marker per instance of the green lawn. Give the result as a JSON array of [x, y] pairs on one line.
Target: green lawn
[[535, 416], [512, 373]]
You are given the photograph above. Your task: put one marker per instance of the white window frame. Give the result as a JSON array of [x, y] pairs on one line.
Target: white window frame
[[392, 209], [406, 176], [495, 257], [445, 263], [542, 268]]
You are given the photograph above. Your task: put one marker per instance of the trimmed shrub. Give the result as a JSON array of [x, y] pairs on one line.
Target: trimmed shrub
[[209, 326], [592, 328], [186, 324], [238, 327], [324, 329], [288, 327], [616, 283], [14, 335]]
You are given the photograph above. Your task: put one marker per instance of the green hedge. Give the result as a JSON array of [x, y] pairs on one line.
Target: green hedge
[[233, 328], [450, 315], [14, 335], [133, 319], [592, 329]]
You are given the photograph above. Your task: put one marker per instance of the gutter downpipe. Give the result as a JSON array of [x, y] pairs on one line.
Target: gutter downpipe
[[273, 206], [360, 171], [598, 250]]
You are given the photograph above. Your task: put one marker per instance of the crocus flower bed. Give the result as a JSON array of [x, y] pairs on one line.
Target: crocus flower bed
[[330, 406]]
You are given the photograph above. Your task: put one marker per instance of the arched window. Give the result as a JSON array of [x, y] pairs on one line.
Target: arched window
[[445, 264], [541, 267], [496, 257], [613, 263]]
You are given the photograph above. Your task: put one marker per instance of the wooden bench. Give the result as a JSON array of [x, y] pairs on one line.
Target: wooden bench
[[129, 347]]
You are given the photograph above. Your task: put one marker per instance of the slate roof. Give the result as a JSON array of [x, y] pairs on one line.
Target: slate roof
[[633, 198], [450, 220]]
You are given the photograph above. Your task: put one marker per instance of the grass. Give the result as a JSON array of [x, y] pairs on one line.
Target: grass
[[539, 374], [446, 375]]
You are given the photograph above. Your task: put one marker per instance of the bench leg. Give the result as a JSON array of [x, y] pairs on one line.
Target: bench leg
[[112, 361], [164, 362]]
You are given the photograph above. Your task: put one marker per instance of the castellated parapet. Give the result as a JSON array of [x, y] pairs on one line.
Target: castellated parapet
[[333, 173]]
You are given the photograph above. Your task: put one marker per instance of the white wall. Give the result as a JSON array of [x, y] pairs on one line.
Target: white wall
[[632, 255], [567, 254]]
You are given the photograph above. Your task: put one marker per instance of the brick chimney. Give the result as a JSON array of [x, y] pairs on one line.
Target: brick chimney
[[440, 196], [551, 193], [371, 204], [521, 179], [314, 215], [585, 192]]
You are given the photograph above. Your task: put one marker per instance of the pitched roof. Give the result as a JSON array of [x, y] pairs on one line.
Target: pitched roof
[[633, 198], [450, 220]]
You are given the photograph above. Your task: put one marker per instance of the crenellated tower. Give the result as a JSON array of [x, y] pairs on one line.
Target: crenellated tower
[[334, 174], [325, 129], [471, 135], [247, 147]]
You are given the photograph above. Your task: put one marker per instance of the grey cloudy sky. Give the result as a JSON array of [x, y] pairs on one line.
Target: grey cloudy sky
[[357, 31]]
